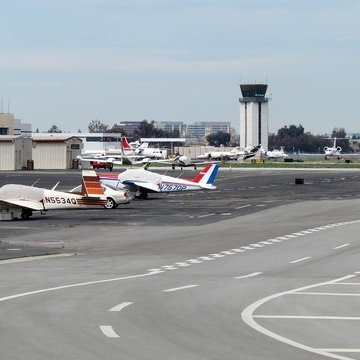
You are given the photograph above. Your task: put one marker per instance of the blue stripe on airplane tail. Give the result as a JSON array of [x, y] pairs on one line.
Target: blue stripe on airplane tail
[[213, 175]]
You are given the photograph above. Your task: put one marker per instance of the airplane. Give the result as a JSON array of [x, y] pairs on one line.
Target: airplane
[[276, 154], [332, 151], [142, 181], [143, 150], [19, 201], [234, 154]]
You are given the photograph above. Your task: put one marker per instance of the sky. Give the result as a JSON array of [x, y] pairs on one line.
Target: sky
[[69, 62]]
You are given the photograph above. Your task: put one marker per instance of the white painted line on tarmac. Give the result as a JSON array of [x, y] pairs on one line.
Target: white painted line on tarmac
[[307, 317], [248, 275], [95, 282], [341, 246], [108, 331], [120, 306], [347, 283], [324, 294], [14, 249], [341, 350], [248, 317], [180, 288], [242, 207], [302, 259], [206, 215]]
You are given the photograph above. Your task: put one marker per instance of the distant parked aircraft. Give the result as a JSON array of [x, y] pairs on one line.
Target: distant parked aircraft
[[276, 154]]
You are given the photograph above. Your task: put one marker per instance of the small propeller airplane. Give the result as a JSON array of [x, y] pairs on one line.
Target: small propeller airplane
[[142, 181], [20, 200]]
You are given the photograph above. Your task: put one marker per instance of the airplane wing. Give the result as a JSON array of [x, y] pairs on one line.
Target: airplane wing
[[28, 204], [142, 184]]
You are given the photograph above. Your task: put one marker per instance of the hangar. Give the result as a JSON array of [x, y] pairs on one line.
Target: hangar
[[56, 153], [15, 152]]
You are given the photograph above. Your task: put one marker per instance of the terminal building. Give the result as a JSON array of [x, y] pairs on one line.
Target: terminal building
[[254, 115]]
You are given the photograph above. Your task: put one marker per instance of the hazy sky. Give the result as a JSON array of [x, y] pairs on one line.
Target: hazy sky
[[71, 61]]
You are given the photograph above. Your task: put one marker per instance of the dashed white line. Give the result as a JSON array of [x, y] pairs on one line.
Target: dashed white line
[[120, 306], [341, 246], [180, 288], [298, 260], [206, 215], [242, 207], [108, 331], [248, 275]]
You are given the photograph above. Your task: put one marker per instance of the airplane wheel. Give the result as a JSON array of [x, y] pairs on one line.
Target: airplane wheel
[[111, 204]]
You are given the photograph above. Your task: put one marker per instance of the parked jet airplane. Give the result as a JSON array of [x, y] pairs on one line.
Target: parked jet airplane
[[234, 154], [20, 200], [332, 151], [143, 181]]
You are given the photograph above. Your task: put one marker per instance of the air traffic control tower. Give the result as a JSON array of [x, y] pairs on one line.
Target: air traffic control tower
[[254, 115]]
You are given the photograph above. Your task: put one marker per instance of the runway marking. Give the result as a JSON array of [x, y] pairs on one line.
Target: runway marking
[[15, 249], [341, 246], [302, 259], [108, 331], [206, 215], [261, 205], [307, 317], [169, 267], [340, 350], [347, 283], [194, 261], [180, 288], [182, 264], [120, 306], [249, 275], [325, 294], [242, 207], [95, 282], [226, 214], [248, 317]]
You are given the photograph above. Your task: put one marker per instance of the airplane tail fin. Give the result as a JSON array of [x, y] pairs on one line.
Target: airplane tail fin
[[207, 176], [91, 185], [125, 144]]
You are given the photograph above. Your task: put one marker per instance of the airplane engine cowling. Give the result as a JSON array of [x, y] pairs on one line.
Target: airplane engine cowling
[[338, 148], [326, 148]]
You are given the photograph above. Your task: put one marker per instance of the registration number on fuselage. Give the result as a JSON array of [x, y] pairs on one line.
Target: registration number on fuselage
[[59, 200], [172, 187]]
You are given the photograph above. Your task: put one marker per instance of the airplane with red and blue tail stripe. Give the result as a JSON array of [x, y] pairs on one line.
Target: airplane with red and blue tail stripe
[[142, 181]]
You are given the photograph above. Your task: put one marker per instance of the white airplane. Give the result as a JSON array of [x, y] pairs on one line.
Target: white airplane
[[276, 154], [142, 181], [19, 201], [234, 154], [334, 150], [142, 151]]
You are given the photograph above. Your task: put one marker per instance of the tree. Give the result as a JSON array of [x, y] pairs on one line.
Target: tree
[[219, 138], [116, 129], [96, 126], [54, 129]]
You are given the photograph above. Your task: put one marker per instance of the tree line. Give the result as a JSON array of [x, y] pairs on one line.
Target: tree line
[[292, 138]]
